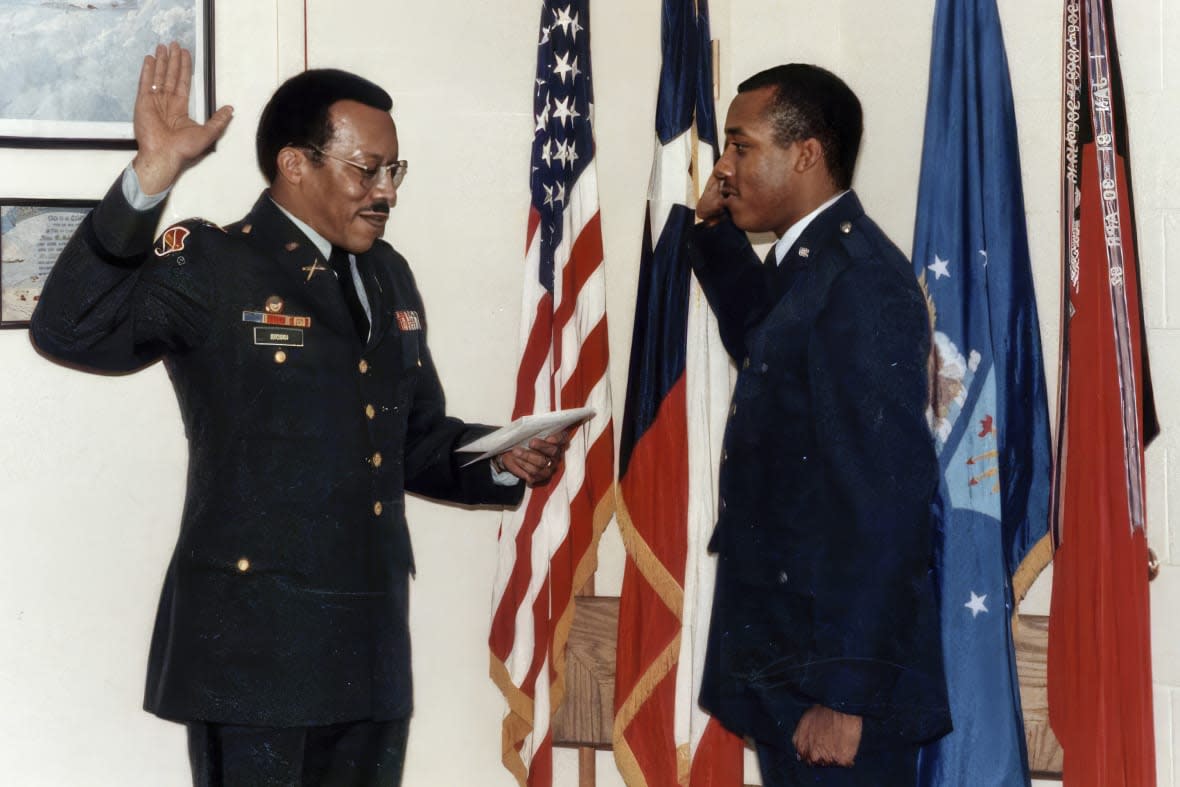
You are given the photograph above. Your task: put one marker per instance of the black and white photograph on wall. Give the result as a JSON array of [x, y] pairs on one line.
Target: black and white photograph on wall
[[70, 66]]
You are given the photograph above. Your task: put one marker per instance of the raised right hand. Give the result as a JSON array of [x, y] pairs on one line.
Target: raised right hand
[[169, 140]]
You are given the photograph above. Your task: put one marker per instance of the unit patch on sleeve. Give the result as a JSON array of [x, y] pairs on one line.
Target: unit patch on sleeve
[[171, 241], [408, 320]]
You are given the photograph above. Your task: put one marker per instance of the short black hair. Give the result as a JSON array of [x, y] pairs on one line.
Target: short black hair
[[297, 114], [810, 102]]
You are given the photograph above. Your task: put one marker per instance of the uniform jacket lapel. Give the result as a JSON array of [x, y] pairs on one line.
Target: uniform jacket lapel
[[270, 231], [367, 265], [809, 249]]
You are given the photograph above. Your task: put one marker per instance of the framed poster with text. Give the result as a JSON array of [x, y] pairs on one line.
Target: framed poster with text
[[32, 235]]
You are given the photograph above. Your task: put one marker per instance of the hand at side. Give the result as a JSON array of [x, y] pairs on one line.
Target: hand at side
[[827, 737]]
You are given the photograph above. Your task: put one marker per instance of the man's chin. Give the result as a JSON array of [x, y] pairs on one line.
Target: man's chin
[[361, 241]]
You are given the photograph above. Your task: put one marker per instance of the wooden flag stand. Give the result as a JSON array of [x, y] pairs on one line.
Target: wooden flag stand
[[585, 719]]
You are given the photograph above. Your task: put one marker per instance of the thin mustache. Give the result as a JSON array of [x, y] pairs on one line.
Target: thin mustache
[[380, 207]]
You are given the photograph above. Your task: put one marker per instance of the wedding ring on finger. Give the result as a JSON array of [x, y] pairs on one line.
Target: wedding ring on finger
[[155, 88]]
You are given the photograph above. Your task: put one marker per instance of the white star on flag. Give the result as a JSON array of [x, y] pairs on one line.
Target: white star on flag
[[543, 118], [940, 267], [563, 111], [563, 66], [976, 604], [564, 20], [563, 152]]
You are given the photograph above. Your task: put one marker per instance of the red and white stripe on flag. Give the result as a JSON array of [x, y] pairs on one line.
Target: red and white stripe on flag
[[548, 546]]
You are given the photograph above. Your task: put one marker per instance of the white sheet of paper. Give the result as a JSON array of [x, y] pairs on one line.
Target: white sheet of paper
[[524, 429]]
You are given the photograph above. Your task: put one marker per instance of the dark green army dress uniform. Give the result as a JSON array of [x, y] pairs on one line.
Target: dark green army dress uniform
[[286, 600]]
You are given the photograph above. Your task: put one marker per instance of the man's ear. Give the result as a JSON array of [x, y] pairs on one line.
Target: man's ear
[[292, 164], [811, 153]]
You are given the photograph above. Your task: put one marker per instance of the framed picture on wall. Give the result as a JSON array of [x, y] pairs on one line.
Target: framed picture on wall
[[32, 234], [69, 68]]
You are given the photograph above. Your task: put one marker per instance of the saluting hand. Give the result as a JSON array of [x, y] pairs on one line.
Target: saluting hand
[[711, 205], [169, 140]]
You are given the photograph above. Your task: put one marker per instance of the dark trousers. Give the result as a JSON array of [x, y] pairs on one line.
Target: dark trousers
[[354, 754], [892, 767]]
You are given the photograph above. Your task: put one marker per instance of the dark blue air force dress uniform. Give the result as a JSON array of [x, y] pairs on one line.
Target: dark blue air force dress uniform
[[286, 600], [824, 538]]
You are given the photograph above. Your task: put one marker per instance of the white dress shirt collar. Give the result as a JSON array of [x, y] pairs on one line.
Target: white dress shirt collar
[[784, 244]]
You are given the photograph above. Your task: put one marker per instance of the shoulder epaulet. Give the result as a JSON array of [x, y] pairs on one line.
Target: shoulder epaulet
[[855, 240]]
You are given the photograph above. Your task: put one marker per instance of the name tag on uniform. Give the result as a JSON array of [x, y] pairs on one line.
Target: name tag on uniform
[[286, 337], [288, 320], [408, 320]]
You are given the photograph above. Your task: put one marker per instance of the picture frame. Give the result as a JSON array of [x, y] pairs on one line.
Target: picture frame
[[70, 76], [33, 233]]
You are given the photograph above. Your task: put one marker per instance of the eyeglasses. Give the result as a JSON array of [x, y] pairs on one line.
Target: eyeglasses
[[369, 175]]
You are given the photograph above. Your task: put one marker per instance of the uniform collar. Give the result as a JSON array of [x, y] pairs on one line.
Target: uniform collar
[[784, 244], [318, 240]]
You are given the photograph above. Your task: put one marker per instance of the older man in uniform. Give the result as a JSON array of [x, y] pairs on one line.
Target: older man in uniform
[[295, 340], [824, 644]]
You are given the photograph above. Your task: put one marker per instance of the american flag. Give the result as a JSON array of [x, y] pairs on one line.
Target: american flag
[[548, 547]]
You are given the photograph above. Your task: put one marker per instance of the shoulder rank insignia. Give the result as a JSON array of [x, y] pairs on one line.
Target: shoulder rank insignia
[[172, 241], [408, 320]]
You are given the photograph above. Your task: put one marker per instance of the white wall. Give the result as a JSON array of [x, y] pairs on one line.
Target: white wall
[[93, 467]]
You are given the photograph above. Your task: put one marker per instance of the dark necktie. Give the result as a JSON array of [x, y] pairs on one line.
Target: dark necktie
[[781, 275], [340, 264]]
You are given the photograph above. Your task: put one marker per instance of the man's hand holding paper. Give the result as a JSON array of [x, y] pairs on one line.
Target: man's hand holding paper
[[532, 446]]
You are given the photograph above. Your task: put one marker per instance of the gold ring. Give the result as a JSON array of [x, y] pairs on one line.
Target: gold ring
[[549, 463], [155, 88]]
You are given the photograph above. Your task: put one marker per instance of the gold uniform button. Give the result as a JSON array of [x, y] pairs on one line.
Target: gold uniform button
[[370, 412], [419, 363], [378, 508], [363, 366], [376, 460], [243, 565], [280, 356]]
